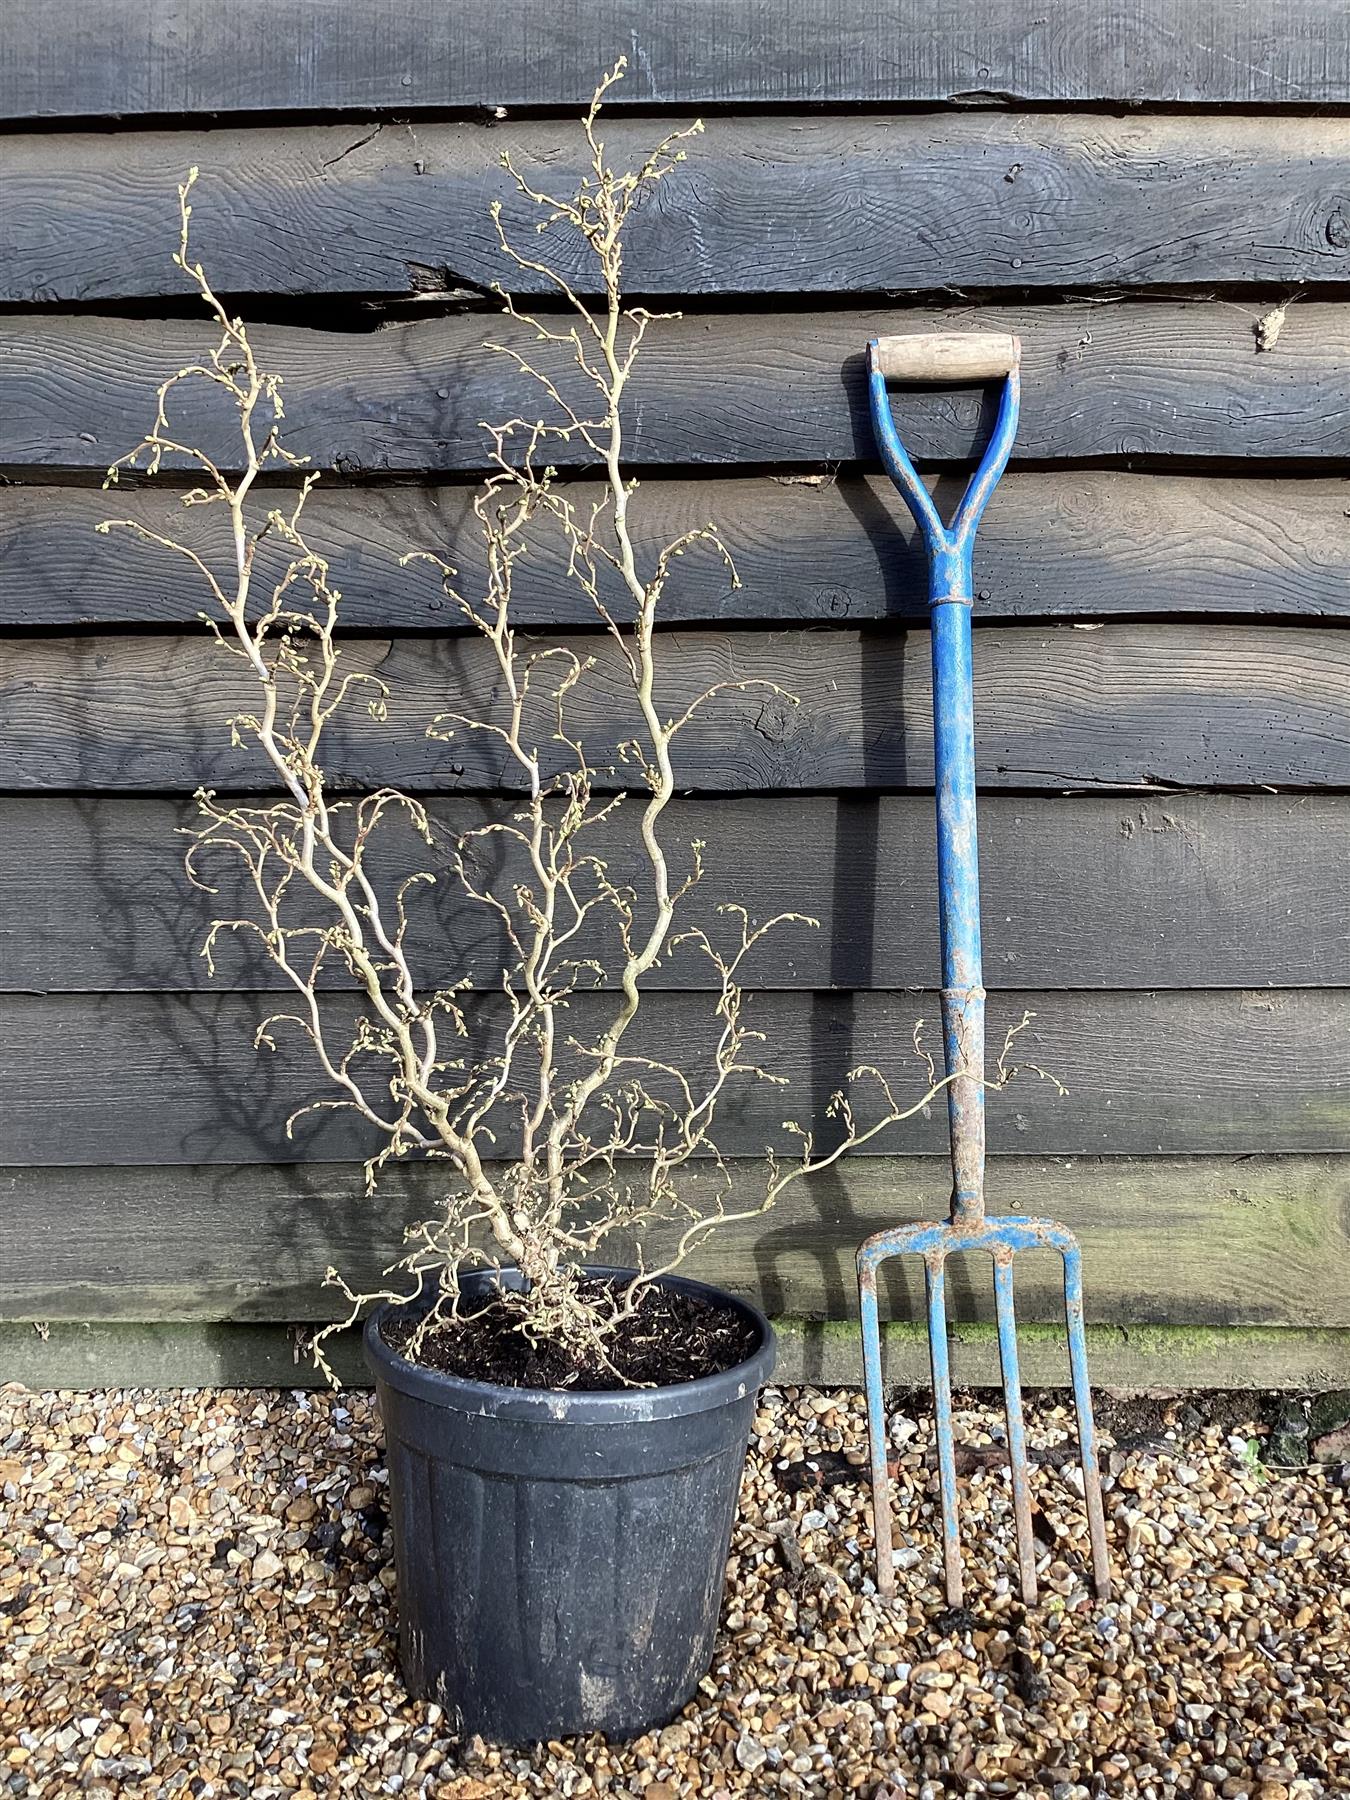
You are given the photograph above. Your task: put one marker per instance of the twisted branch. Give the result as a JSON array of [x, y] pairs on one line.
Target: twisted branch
[[555, 1136]]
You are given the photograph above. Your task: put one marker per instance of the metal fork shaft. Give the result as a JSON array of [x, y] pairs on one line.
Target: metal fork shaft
[[951, 597], [959, 895]]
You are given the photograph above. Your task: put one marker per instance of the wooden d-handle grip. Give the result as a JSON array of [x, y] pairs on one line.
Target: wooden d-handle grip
[[946, 356]]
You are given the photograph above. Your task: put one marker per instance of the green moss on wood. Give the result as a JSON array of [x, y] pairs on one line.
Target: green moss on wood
[[102, 1354]]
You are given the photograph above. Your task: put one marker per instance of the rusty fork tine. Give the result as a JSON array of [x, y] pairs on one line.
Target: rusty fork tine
[[1002, 1238], [935, 1273], [876, 1423], [1087, 1436], [1017, 1436]]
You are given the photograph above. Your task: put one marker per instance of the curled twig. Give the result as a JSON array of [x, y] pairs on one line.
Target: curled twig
[[554, 1124]]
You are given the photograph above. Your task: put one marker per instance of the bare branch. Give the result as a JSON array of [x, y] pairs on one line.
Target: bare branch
[[558, 1125]]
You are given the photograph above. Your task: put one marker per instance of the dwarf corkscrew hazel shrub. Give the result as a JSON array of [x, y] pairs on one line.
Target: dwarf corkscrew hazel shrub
[[556, 1128]]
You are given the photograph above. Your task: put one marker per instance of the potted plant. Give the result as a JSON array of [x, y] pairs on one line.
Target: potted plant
[[565, 1436]]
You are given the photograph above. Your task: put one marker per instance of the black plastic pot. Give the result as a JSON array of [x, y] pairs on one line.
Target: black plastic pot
[[560, 1556]]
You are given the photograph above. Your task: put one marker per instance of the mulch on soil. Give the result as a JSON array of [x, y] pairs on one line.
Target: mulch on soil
[[671, 1337]]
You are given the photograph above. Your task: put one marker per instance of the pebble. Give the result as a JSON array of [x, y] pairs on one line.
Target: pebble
[[750, 1753], [196, 1604]]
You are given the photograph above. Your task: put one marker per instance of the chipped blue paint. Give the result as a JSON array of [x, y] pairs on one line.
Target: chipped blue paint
[[949, 551]]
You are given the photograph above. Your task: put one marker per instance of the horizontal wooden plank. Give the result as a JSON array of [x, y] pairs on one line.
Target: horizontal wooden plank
[[817, 550], [821, 204], [1257, 1241], [128, 1078], [1150, 1359], [189, 56], [1158, 1359], [1125, 705], [1211, 890], [1126, 379]]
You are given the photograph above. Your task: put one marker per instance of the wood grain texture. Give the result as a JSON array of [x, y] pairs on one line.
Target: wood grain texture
[[1258, 1241], [188, 56], [130, 1078], [1185, 953], [820, 204], [1187, 891], [1150, 1359], [1160, 1359], [1072, 543], [1126, 705], [1125, 379]]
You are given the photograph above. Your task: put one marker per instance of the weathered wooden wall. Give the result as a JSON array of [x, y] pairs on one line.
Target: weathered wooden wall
[[1163, 684]]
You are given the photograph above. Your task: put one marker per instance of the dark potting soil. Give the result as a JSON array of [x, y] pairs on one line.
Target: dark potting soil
[[672, 1337]]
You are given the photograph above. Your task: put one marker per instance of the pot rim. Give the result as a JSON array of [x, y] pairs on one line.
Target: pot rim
[[606, 1406]]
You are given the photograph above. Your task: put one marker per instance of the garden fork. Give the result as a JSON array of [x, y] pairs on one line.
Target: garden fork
[[950, 359]]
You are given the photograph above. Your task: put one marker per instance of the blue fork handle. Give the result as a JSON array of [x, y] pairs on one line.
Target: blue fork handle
[[950, 551]]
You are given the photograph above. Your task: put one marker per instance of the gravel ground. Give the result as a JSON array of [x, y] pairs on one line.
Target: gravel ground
[[195, 1599]]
